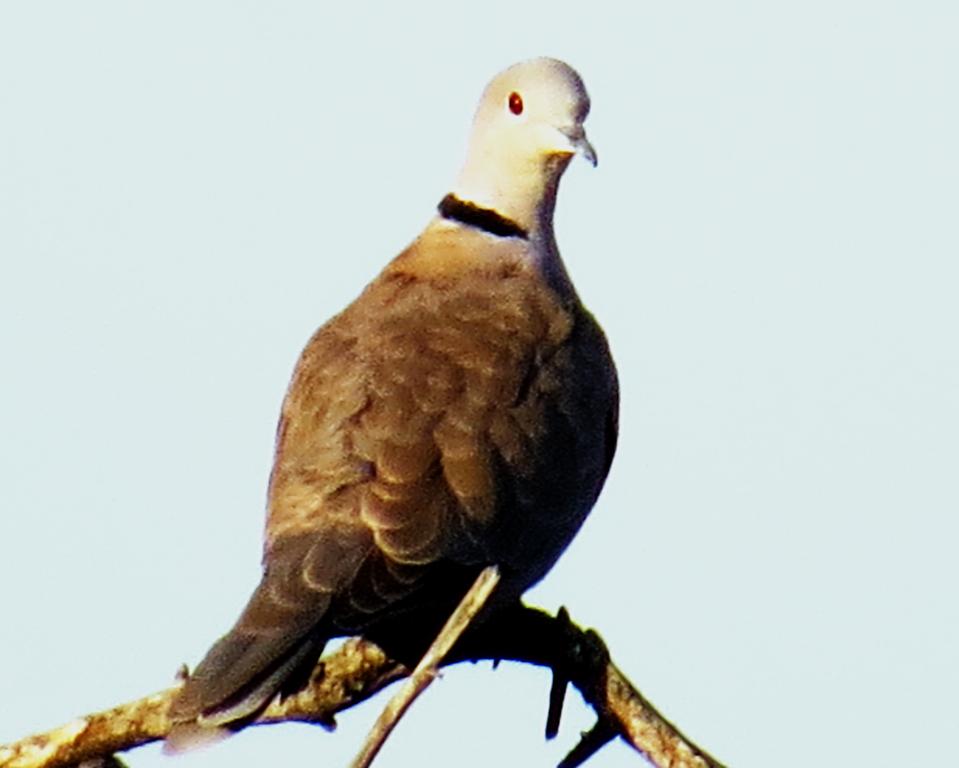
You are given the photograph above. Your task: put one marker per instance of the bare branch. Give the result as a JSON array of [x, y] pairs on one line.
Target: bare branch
[[359, 669], [352, 674]]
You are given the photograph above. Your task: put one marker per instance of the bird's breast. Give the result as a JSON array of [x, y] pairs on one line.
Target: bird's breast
[[457, 418]]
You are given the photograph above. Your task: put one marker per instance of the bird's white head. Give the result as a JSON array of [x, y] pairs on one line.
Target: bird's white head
[[528, 126]]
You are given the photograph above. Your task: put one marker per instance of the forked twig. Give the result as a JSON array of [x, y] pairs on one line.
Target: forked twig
[[358, 669]]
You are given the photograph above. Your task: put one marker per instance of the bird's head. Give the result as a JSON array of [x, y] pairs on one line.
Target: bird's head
[[528, 125]]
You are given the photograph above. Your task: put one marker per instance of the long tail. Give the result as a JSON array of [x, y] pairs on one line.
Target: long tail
[[241, 674], [277, 637]]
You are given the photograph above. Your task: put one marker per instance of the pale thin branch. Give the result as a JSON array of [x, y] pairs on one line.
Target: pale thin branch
[[359, 669], [346, 677], [425, 672]]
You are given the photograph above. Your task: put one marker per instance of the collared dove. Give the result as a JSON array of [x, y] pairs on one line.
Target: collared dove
[[460, 413]]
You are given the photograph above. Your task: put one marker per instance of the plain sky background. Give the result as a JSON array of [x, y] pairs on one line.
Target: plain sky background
[[771, 239]]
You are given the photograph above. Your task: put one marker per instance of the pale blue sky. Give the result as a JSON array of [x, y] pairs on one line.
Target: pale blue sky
[[187, 189]]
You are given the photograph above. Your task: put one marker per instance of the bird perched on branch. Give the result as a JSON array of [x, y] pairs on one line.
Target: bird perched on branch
[[460, 413]]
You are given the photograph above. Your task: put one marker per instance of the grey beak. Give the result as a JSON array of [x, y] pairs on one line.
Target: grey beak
[[580, 144]]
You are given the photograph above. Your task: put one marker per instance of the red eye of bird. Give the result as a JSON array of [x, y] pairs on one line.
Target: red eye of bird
[[515, 103]]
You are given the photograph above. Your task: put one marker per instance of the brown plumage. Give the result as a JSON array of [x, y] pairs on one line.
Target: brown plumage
[[460, 412]]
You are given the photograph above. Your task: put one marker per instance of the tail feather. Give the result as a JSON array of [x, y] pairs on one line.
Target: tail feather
[[240, 674], [247, 667], [278, 637], [217, 698], [256, 699]]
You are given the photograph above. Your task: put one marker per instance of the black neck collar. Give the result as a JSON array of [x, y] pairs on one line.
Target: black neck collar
[[451, 207]]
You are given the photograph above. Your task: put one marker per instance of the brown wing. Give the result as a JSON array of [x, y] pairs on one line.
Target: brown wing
[[399, 421], [456, 413]]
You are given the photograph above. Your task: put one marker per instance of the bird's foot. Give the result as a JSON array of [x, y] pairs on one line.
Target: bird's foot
[[584, 659], [561, 678]]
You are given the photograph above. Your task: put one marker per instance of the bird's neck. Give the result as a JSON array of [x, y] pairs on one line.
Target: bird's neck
[[522, 208], [525, 196]]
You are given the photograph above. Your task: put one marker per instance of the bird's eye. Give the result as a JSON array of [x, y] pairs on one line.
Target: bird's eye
[[515, 103]]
